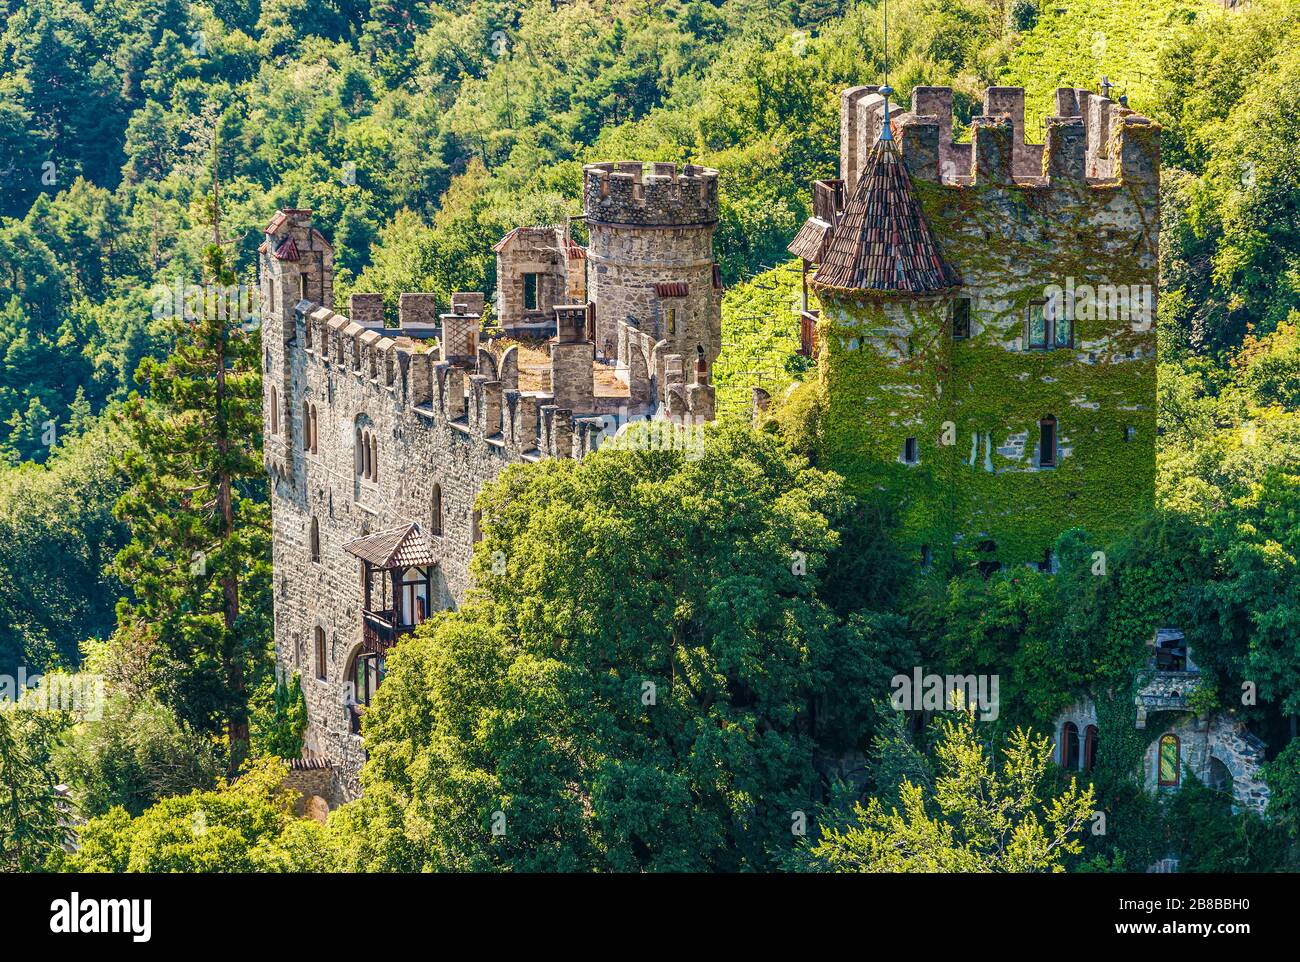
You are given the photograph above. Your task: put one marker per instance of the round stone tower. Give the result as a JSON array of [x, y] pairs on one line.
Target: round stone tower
[[650, 254]]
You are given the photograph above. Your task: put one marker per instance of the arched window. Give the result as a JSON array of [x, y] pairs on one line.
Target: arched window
[[374, 458], [306, 426], [365, 674], [275, 410], [1167, 761], [1069, 754], [360, 460], [1090, 748], [435, 517], [315, 430], [320, 653], [315, 540], [363, 678]]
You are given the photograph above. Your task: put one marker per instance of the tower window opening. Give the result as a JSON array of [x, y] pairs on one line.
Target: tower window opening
[[910, 453], [1047, 442], [1069, 756], [530, 292], [961, 318]]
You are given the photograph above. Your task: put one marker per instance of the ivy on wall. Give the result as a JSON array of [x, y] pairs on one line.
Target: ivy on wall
[[889, 370]]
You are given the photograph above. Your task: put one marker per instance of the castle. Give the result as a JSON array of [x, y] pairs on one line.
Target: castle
[[379, 438], [985, 331], [962, 370]]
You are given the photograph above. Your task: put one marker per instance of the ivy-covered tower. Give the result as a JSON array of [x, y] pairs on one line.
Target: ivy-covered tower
[[986, 336]]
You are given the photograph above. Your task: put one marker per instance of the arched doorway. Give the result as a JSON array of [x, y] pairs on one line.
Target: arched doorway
[[1218, 777]]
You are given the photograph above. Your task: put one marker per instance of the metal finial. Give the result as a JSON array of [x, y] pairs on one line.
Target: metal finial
[[886, 90]]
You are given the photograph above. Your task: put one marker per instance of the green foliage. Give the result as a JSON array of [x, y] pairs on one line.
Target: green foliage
[[760, 327], [136, 754], [244, 826], [57, 534], [198, 562], [976, 818], [1234, 256], [31, 823], [279, 721], [1073, 43], [1283, 777], [660, 720]]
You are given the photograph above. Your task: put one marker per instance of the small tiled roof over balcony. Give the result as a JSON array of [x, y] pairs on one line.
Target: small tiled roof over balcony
[[403, 547]]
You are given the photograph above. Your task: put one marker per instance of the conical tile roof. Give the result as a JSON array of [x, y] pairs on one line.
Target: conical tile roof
[[882, 244]]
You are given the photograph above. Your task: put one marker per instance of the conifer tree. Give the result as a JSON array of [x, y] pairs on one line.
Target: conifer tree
[[199, 545]]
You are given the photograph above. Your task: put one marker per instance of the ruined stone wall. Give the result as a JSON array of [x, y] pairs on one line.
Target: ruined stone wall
[[1208, 748], [650, 255], [539, 251]]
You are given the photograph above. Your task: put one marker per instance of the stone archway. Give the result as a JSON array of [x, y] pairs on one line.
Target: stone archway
[[1217, 776]]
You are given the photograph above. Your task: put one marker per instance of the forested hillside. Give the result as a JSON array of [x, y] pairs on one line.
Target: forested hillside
[[145, 143]]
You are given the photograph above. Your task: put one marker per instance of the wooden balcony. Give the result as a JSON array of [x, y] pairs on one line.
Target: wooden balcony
[[380, 630], [808, 333], [828, 200]]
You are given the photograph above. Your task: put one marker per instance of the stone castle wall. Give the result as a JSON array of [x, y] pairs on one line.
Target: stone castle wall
[[448, 420]]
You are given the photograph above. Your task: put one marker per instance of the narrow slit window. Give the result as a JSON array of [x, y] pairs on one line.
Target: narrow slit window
[[320, 653], [530, 292], [910, 453], [961, 318], [1047, 442]]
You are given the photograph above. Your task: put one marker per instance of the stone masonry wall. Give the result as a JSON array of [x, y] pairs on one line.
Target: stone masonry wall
[[651, 252]]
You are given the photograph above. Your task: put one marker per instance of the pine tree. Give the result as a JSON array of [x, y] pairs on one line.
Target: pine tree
[[199, 544]]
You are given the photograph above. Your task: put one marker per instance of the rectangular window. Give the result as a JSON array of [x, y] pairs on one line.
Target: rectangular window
[[1047, 443], [961, 318], [1063, 331], [1037, 325], [672, 320], [530, 292], [1130, 433], [910, 455]]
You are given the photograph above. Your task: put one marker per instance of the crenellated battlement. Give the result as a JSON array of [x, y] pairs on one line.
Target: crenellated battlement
[[480, 399], [624, 193], [1091, 140]]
